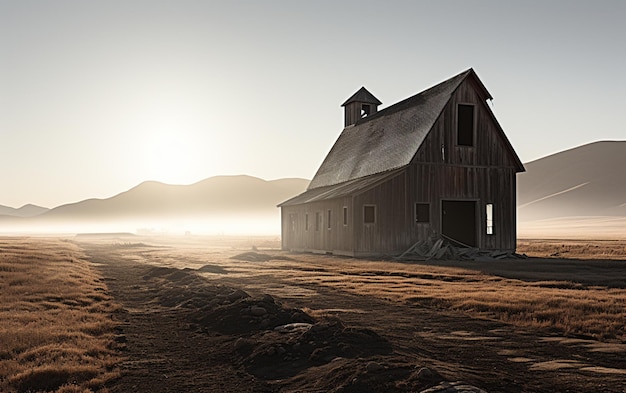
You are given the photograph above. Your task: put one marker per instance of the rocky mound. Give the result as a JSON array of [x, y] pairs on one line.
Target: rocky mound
[[286, 347]]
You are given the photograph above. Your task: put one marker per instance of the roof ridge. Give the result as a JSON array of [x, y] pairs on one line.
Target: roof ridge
[[407, 102]]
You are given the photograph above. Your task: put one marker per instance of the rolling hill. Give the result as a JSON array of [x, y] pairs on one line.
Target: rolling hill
[[589, 180], [154, 204], [579, 191], [24, 211]]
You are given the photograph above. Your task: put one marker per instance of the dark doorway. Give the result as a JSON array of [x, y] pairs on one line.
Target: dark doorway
[[458, 221]]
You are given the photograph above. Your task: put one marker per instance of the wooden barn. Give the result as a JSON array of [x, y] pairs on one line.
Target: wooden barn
[[435, 165]]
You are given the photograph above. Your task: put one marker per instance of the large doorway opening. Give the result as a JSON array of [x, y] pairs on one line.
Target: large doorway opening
[[458, 221]]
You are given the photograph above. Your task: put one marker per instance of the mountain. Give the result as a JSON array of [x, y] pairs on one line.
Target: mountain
[[588, 180], [215, 195], [24, 211], [223, 199]]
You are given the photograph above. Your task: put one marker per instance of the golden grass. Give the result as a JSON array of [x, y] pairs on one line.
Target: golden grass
[[55, 320], [571, 308], [578, 249], [576, 297]]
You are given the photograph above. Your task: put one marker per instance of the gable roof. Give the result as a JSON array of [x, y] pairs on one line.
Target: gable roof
[[350, 187], [362, 95], [389, 138]]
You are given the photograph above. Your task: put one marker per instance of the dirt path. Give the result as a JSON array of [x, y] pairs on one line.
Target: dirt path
[[163, 351], [168, 350]]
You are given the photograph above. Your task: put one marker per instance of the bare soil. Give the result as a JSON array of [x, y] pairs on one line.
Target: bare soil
[[224, 317]]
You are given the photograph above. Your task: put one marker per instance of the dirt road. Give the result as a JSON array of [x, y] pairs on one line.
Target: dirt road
[[177, 337]]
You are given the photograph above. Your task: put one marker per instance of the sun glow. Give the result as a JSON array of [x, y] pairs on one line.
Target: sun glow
[[169, 141]]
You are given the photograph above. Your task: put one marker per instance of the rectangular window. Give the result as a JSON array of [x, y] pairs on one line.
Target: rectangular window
[[306, 222], [328, 219], [489, 211], [369, 214], [345, 215], [422, 212], [293, 219], [318, 221], [465, 125]]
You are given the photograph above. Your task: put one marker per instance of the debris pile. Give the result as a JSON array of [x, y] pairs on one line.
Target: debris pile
[[442, 248]]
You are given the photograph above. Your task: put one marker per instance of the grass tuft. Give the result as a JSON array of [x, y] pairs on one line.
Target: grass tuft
[[55, 320]]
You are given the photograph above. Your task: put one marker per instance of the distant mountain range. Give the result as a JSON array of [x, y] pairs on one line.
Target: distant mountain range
[[589, 180], [24, 211], [577, 190], [154, 203]]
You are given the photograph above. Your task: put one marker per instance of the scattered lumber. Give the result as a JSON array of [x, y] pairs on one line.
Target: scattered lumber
[[442, 248]]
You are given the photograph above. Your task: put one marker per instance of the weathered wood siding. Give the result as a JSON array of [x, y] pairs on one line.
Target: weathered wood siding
[[336, 238], [484, 172], [388, 234], [441, 170]]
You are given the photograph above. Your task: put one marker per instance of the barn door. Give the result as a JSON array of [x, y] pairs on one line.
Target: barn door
[[458, 221]]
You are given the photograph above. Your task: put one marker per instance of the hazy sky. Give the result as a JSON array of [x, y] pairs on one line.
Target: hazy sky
[[98, 96]]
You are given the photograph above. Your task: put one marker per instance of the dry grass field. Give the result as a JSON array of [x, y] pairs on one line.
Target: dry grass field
[[552, 322], [55, 320]]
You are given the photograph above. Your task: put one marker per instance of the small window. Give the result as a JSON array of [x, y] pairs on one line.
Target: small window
[[306, 222], [422, 212], [318, 221], [465, 125], [328, 219], [489, 211], [293, 220], [369, 214], [366, 109], [345, 215]]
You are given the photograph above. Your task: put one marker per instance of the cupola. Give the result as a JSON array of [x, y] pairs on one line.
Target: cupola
[[360, 105]]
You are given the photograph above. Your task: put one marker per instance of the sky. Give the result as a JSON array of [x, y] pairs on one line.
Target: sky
[[99, 96]]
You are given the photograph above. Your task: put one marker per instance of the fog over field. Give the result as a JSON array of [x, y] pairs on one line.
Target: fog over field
[[577, 193]]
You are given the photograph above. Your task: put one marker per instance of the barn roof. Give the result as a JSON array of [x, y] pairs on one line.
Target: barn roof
[[362, 95], [390, 138], [350, 187]]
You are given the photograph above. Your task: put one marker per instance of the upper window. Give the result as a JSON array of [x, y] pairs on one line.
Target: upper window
[[465, 125], [422, 212], [328, 219], [369, 214]]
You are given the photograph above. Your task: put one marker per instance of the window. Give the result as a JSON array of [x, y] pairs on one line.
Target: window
[[293, 220], [422, 212], [465, 125], [306, 222], [318, 221], [345, 215], [369, 214], [328, 219], [489, 211], [366, 109]]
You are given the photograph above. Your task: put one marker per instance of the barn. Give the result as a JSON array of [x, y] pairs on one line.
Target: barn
[[436, 165]]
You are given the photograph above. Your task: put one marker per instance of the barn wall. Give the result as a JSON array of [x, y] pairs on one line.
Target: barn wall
[[441, 170], [484, 172], [389, 234], [338, 238]]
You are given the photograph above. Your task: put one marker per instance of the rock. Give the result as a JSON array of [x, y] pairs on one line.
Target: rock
[[268, 299], [242, 343], [424, 373], [258, 311], [372, 367], [238, 294], [290, 327], [453, 387]]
